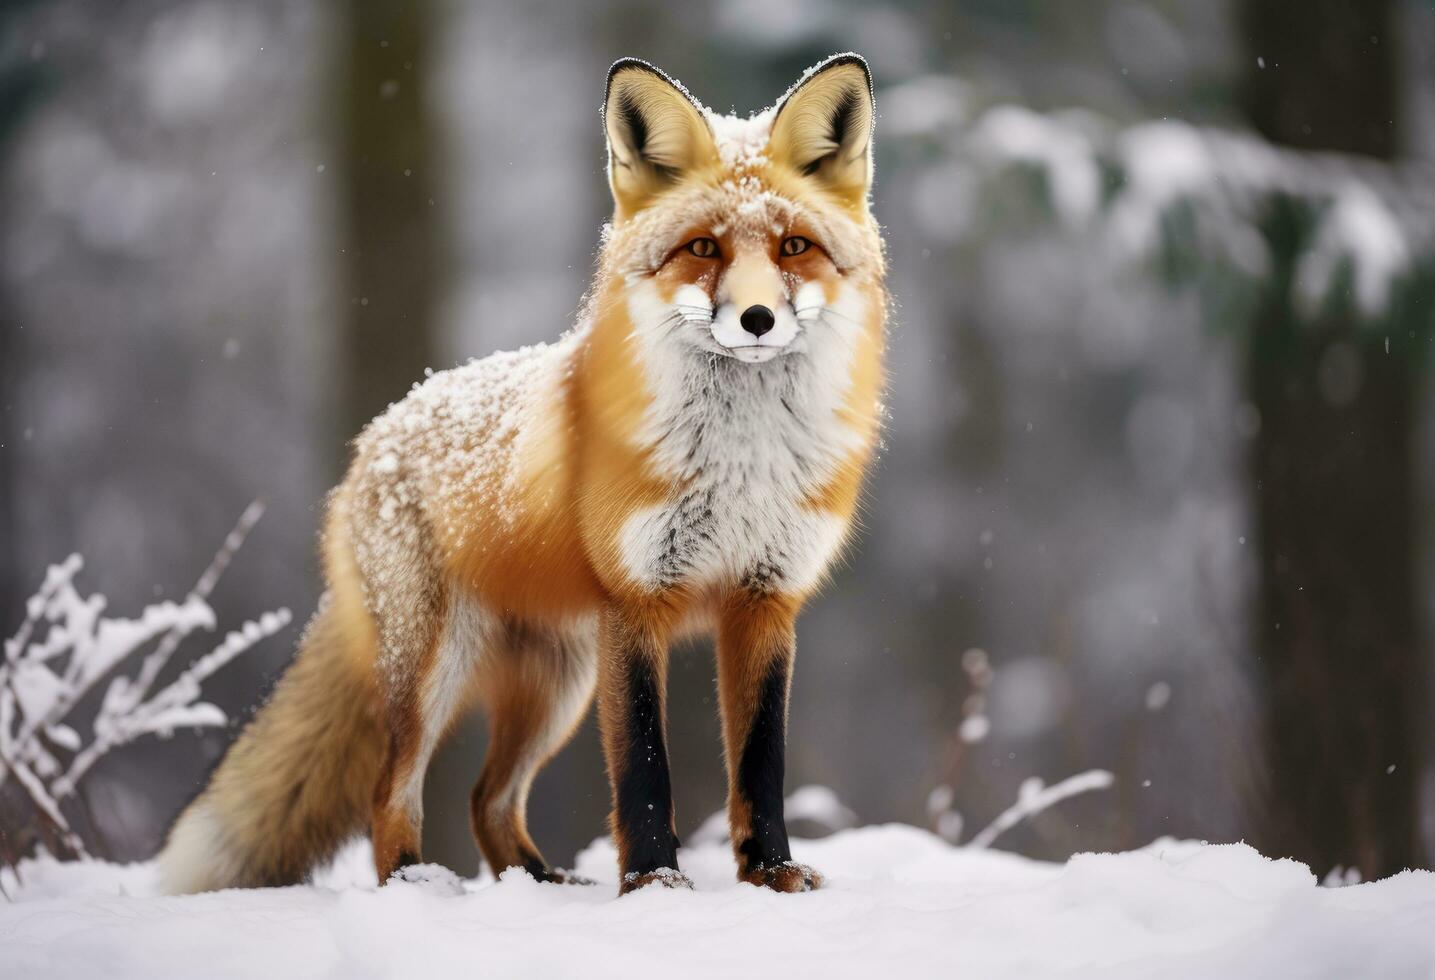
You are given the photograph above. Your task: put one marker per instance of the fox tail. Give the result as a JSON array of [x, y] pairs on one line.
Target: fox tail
[[299, 780]]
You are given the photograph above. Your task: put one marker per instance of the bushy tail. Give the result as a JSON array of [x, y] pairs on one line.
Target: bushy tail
[[297, 783]]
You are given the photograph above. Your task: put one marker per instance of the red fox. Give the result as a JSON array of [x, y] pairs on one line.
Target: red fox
[[523, 530]]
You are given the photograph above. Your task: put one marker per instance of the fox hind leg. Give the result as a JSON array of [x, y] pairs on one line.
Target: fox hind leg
[[432, 637], [536, 685], [421, 707]]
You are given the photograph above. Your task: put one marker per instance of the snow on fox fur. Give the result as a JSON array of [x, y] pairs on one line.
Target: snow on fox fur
[[530, 527]]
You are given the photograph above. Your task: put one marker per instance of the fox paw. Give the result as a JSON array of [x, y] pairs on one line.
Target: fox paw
[[789, 876], [666, 877], [562, 876]]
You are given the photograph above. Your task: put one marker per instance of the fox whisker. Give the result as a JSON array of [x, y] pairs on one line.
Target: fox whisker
[[817, 313], [695, 314]]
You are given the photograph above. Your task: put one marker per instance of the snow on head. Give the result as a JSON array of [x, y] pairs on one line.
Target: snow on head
[[742, 143]]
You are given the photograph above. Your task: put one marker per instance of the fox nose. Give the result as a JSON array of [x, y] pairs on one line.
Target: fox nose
[[756, 320]]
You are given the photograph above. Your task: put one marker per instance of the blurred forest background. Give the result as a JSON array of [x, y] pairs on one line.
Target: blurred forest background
[[1154, 490]]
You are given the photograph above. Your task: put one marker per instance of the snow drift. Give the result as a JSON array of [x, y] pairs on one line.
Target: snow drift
[[901, 902]]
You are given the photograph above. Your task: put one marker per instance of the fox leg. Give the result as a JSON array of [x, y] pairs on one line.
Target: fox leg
[[536, 686], [632, 683], [421, 707], [756, 646], [432, 653]]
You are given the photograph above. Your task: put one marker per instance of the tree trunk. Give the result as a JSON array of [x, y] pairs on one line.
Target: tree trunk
[[389, 239], [20, 84], [1335, 631]]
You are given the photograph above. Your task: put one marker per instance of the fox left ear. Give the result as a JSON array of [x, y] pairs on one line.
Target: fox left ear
[[823, 128], [656, 135]]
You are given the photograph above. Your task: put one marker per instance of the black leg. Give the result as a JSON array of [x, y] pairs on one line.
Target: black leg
[[760, 775], [756, 647], [632, 682], [644, 803]]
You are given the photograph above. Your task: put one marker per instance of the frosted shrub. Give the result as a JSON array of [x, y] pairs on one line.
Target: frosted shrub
[[66, 646]]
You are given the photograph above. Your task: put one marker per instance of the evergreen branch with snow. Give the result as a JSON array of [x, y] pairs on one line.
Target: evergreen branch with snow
[[1195, 200], [65, 646]]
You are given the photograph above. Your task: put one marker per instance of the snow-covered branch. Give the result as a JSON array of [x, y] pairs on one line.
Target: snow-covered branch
[[1035, 797], [125, 716], [66, 645], [1195, 198]]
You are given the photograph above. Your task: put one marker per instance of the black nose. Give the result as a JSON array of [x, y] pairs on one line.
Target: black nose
[[756, 320]]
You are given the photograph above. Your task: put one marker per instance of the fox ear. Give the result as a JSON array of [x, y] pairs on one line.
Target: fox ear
[[656, 135], [823, 128]]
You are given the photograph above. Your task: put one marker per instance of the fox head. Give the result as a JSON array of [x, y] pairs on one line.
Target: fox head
[[749, 239]]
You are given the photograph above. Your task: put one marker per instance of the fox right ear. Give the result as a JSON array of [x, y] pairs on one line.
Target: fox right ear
[[656, 135], [823, 128]]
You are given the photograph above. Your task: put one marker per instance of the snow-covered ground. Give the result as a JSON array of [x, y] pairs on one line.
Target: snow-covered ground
[[900, 902]]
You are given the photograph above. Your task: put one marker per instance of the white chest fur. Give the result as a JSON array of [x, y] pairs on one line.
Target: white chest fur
[[746, 446]]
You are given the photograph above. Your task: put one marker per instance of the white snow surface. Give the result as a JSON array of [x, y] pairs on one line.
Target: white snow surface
[[900, 902]]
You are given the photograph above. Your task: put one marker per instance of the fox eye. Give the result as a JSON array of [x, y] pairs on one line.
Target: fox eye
[[703, 248], [795, 245]]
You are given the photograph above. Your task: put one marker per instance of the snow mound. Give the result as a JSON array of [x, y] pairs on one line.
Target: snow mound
[[899, 902]]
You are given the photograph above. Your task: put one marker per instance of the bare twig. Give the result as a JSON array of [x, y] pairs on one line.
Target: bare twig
[[1035, 797], [155, 662]]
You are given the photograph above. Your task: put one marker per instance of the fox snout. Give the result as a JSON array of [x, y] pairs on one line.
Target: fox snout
[[753, 317], [755, 333]]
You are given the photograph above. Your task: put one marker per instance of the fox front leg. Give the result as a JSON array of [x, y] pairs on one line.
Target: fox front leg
[[756, 647], [632, 684]]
